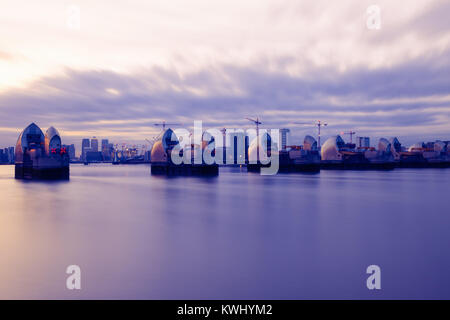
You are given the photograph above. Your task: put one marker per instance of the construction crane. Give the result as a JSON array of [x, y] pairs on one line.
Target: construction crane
[[153, 141], [224, 134], [164, 124], [351, 133], [224, 142], [257, 123], [317, 123]]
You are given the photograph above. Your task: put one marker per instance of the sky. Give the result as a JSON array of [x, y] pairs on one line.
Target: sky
[[112, 69]]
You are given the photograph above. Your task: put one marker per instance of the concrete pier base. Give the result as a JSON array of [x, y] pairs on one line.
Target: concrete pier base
[[299, 167], [357, 165], [185, 170], [423, 164], [31, 173], [287, 167]]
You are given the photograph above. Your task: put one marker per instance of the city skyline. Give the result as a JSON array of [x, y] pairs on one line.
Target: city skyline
[[369, 141]]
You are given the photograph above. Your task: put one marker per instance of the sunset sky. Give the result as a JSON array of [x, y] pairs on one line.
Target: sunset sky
[[133, 63]]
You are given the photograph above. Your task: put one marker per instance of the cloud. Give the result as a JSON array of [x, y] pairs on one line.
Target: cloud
[[413, 96], [124, 35], [433, 21], [5, 56]]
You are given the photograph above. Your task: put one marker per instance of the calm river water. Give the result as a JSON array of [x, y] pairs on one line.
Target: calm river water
[[236, 236]]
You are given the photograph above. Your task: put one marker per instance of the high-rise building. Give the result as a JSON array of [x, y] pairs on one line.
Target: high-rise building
[[105, 150], [94, 156], [247, 145], [111, 150], [85, 145], [7, 155], [12, 154], [147, 156], [94, 144], [70, 149], [363, 142], [224, 145], [237, 150], [284, 138]]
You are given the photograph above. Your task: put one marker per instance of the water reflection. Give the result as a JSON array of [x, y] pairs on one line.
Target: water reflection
[[237, 235]]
